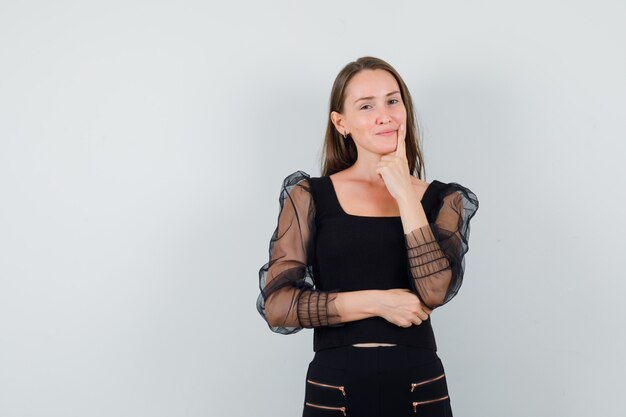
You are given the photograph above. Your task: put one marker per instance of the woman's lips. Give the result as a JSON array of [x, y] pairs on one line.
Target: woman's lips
[[387, 133]]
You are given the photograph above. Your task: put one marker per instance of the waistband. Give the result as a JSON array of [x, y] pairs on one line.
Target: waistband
[[383, 357]]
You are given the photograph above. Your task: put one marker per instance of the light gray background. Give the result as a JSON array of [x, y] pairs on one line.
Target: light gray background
[[142, 148]]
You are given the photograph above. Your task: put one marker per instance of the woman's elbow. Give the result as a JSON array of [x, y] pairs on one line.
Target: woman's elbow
[[275, 313], [270, 315]]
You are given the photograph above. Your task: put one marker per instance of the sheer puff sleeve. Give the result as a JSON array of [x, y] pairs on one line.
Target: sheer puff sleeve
[[436, 251], [289, 300]]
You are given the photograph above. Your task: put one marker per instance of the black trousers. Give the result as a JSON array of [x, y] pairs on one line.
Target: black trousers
[[382, 381]]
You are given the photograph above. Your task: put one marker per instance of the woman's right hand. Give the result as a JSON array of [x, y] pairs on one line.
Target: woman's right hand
[[402, 307]]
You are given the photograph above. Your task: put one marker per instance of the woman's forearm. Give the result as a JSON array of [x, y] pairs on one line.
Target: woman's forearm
[[357, 305]]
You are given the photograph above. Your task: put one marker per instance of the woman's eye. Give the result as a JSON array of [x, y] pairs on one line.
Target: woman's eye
[[392, 101]]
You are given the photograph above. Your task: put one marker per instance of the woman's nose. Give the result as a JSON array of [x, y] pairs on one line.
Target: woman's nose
[[384, 117]]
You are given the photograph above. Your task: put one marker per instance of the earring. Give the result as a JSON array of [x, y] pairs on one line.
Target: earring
[[345, 136]]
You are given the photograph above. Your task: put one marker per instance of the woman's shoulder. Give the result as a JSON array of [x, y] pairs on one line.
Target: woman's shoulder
[[300, 181], [297, 177], [456, 195], [451, 187]]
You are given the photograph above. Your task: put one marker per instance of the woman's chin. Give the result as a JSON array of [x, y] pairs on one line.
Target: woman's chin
[[382, 147], [386, 147]]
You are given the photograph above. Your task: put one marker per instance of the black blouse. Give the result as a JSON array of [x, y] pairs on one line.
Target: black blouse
[[319, 250]]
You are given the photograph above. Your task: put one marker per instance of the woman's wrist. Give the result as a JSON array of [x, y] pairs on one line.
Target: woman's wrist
[[373, 302], [358, 305], [408, 199], [408, 195]]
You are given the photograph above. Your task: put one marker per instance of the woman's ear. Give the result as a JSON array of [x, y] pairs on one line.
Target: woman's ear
[[337, 120]]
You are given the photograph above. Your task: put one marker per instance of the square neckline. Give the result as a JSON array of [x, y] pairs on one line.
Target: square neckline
[[343, 212]]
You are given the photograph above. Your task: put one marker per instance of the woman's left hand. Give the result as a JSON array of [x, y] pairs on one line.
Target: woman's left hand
[[393, 168]]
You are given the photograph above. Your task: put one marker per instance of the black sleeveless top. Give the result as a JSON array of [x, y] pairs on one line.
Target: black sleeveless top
[[318, 249]]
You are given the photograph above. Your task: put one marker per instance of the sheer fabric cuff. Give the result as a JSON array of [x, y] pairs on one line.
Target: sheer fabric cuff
[[425, 255], [317, 309], [430, 271]]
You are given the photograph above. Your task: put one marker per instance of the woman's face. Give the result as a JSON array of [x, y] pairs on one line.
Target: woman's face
[[373, 111]]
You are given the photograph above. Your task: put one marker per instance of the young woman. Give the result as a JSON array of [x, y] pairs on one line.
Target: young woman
[[364, 253]]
